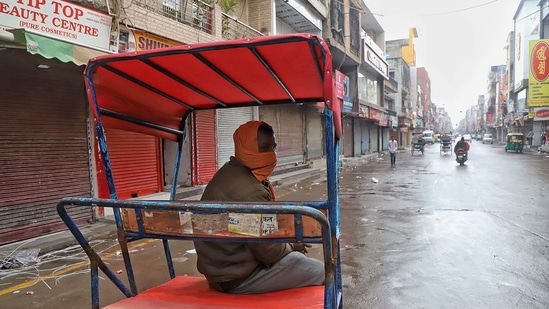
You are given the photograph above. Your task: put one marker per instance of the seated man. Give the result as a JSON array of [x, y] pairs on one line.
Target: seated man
[[418, 139], [446, 139], [252, 267]]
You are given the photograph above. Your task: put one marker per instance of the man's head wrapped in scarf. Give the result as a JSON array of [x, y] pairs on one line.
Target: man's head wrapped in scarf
[[246, 148]]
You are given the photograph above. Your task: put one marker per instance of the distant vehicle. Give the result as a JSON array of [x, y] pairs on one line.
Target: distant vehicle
[[478, 137], [467, 138], [487, 138], [514, 141], [429, 136]]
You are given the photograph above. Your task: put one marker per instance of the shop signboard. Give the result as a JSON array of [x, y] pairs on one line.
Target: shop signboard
[[61, 20], [347, 105], [136, 40], [538, 83], [541, 113]]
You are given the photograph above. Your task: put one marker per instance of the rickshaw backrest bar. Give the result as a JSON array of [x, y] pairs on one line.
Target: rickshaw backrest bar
[[301, 209]]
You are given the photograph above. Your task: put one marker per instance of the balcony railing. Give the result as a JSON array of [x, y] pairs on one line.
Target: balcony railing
[[199, 15], [196, 14], [354, 19], [231, 29]]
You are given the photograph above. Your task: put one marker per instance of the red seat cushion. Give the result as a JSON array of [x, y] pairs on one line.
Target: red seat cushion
[[194, 292]]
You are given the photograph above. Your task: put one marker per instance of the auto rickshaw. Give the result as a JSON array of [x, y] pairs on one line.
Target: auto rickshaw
[[514, 141]]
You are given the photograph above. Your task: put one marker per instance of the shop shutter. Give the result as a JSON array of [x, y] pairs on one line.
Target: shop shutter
[[228, 120], [287, 122], [365, 136], [204, 150], [348, 136], [315, 132], [136, 164], [374, 138], [43, 145], [357, 138]]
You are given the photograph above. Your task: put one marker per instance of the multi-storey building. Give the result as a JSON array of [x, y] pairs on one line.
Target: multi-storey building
[[400, 71], [424, 82], [526, 20], [55, 153], [49, 150], [540, 109], [370, 118]]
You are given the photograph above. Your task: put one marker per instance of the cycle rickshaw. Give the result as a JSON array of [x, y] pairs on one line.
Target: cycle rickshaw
[[418, 143], [155, 92], [445, 144]]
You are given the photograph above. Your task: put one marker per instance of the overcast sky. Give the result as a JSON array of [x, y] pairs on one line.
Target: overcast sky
[[458, 43]]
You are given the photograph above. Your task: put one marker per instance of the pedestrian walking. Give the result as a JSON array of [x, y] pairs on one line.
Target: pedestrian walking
[[530, 137], [393, 146]]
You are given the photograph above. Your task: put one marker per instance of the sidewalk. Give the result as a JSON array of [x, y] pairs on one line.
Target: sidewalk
[[105, 227]]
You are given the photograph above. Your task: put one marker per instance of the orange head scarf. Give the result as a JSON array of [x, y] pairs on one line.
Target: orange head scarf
[[246, 151]]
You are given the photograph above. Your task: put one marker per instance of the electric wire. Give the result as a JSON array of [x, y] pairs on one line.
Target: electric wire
[[37, 267]]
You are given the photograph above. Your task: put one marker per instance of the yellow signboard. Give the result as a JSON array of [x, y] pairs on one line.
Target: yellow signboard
[[538, 83], [134, 40]]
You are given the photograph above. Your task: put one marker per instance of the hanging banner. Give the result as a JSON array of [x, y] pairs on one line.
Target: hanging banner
[[342, 85], [538, 85]]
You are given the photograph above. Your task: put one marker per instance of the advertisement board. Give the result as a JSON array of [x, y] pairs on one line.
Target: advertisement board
[[538, 83], [58, 19]]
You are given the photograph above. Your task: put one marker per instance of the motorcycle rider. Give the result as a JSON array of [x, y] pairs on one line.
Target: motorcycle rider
[[462, 144]]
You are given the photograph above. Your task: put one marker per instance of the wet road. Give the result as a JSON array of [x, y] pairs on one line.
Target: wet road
[[433, 234], [428, 234]]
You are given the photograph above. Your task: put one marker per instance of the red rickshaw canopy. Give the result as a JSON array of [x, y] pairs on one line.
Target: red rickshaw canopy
[[153, 91]]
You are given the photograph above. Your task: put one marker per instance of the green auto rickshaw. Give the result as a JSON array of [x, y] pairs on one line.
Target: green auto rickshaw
[[514, 141]]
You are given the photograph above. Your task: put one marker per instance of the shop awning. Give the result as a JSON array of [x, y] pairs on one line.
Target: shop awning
[[47, 47]]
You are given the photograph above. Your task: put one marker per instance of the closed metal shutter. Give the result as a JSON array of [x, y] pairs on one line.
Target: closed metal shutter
[[347, 136], [365, 136], [315, 132], [204, 146], [287, 122], [228, 120], [136, 165], [374, 138], [43, 145], [357, 132]]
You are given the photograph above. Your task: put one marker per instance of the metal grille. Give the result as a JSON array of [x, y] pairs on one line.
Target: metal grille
[[195, 13]]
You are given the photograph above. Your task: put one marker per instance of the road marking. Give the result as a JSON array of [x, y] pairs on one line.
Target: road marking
[[32, 282]]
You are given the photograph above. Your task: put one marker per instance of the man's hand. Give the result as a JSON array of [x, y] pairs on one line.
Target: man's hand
[[301, 247]]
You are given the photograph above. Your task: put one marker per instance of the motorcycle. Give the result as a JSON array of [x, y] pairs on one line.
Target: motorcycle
[[461, 156]]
